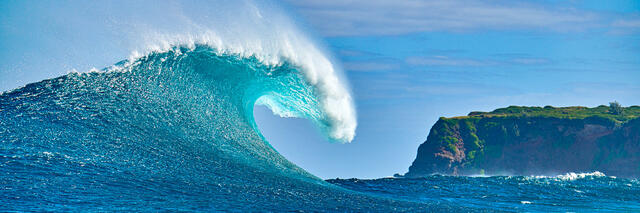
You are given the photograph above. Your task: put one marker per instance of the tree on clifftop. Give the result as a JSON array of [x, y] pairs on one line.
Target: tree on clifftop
[[615, 108]]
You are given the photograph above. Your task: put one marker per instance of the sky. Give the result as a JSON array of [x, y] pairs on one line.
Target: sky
[[408, 63], [411, 62]]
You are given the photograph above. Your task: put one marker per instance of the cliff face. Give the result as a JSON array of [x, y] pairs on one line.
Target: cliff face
[[533, 141]]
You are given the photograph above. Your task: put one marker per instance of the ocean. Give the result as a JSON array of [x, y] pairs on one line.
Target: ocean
[[173, 130]]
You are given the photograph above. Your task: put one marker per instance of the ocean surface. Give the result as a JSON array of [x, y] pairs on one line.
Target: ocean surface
[[174, 130], [573, 192]]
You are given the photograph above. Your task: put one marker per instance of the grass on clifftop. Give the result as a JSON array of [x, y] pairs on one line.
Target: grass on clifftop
[[576, 112]]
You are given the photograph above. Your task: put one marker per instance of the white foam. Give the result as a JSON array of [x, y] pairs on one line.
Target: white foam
[[575, 176]]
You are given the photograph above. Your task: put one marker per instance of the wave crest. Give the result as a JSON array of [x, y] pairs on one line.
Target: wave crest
[[273, 41], [338, 119]]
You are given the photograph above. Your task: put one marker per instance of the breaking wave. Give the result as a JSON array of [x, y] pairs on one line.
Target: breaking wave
[[172, 129]]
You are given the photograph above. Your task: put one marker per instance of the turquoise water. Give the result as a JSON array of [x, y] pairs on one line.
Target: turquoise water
[[174, 130]]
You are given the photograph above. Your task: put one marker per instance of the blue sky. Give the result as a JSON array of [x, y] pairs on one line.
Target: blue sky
[[408, 63]]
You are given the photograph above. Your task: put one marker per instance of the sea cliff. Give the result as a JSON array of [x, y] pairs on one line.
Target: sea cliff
[[533, 141]]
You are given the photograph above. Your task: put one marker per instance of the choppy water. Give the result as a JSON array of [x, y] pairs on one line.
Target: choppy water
[[571, 192]]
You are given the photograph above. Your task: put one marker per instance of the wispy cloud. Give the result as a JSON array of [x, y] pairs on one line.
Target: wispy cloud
[[447, 61], [449, 89], [380, 17], [626, 26], [389, 64], [356, 53], [467, 62], [530, 61], [629, 23], [369, 66]]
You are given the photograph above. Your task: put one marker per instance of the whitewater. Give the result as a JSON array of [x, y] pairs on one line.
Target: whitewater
[[169, 127]]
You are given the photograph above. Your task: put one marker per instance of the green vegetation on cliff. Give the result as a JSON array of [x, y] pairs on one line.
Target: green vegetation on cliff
[[532, 140], [617, 114]]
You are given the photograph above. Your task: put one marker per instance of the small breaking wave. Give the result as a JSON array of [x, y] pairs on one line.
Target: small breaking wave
[[575, 176]]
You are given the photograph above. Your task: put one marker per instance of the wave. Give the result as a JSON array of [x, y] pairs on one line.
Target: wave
[[170, 130], [195, 95], [324, 99], [333, 109]]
